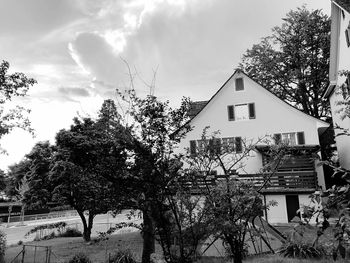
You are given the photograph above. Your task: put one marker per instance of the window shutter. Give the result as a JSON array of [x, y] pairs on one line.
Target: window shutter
[[231, 113], [301, 138], [277, 137], [347, 36], [251, 107], [239, 84], [238, 144], [193, 148]]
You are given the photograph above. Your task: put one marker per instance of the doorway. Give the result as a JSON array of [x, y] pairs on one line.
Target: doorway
[[292, 202]]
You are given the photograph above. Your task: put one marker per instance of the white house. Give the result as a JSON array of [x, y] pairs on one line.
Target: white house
[[243, 109], [340, 61]]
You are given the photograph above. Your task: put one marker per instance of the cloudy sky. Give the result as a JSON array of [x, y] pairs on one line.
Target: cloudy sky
[[75, 50]]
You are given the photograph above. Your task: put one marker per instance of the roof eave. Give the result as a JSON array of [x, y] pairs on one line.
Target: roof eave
[[330, 89], [341, 7]]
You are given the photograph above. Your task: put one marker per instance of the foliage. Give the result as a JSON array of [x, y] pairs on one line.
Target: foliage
[[60, 226], [230, 204], [70, 232], [15, 178], [122, 256], [152, 130], [62, 232], [293, 62], [343, 91], [45, 237], [39, 189], [86, 155], [182, 224], [2, 180], [233, 204], [80, 258], [2, 243], [301, 250], [11, 86]]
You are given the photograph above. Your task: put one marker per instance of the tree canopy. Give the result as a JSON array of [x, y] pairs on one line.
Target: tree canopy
[[293, 62], [85, 156], [11, 86]]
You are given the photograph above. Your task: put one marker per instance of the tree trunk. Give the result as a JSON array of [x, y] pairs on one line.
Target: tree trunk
[[148, 236], [238, 252], [86, 226]]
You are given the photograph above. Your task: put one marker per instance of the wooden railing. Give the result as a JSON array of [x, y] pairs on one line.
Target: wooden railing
[[283, 180], [287, 181]]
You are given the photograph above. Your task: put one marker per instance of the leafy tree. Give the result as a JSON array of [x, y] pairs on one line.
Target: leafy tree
[[2, 180], [149, 137], [11, 86], [230, 204], [15, 177], [293, 62], [334, 202], [182, 221], [84, 158], [39, 189]]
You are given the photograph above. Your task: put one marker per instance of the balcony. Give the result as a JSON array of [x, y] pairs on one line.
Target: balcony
[[286, 181]]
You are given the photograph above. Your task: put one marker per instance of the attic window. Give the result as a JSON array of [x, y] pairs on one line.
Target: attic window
[[241, 112], [239, 84]]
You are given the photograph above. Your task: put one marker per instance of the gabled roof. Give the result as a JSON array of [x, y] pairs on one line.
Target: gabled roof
[[344, 4], [240, 71]]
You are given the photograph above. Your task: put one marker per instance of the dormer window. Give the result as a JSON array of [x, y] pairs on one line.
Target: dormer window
[[239, 84]]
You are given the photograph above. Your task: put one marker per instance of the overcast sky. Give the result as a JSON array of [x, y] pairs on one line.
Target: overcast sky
[[74, 49]]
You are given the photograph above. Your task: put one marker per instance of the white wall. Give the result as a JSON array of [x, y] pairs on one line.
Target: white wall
[[340, 60], [278, 213], [272, 116]]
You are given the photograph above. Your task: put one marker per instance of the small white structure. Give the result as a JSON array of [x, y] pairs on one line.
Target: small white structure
[[340, 61], [242, 109]]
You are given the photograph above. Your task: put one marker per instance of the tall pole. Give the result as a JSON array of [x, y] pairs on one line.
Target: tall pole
[[9, 217]]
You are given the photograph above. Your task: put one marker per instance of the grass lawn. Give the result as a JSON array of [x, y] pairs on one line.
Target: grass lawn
[[65, 248]]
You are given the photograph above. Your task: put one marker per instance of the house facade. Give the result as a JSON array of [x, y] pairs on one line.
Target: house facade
[[242, 110], [339, 87]]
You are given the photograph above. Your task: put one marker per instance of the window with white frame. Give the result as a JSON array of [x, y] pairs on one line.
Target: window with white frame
[[241, 112], [216, 146], [290, 138]]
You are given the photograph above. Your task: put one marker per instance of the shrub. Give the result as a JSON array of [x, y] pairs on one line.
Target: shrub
[[302, 250], [2, 243], [71, 232], [80, 258], [46, 237], [59, 225], [122, 256]]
